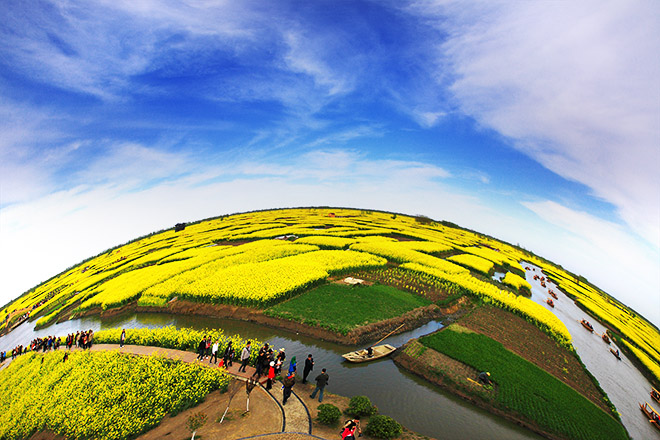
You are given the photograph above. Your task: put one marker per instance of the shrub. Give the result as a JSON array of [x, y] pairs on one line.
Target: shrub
[[196, 421], [328, 414], [383, 427], [360, 406]]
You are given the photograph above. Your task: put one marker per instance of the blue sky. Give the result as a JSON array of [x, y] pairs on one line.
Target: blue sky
[[535, 122]]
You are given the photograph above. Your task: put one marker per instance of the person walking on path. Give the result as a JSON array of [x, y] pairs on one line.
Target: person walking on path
[[287, 384], [245, 356], [350, 428], [271, 375], [279, 360], [214, 353], [292, 365], [229, 355], [321, 382], [207, 351], [309, 366], [122, 338]]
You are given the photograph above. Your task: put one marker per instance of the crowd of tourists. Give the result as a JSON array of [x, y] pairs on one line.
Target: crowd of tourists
[[44, 344], [268, 362], [80, 339]]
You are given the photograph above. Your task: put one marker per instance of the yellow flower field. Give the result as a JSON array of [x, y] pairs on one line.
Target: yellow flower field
[[235, 259], [473, 262], [99, 395]]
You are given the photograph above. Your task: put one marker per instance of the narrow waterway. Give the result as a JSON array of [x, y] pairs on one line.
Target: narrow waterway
[[624, 384], [418, 405]]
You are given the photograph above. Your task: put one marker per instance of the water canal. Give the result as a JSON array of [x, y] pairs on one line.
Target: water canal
[[623, 383], [419, 406]]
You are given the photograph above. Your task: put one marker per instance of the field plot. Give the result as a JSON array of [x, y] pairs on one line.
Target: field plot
[[99, 395], [527, 341], [342, 308], [526, 389]]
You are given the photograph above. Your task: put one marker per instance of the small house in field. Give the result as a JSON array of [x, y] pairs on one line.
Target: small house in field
[[331, 214], [179, 227]]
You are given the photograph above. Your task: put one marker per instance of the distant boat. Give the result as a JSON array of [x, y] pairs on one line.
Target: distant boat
[[550, 302], [378, 352], [552, 294], [615, 353], [606, 338], [587, 325]]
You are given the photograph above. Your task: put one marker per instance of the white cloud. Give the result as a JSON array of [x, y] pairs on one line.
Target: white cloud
[[574, 84], [428, 119], [304, 56]]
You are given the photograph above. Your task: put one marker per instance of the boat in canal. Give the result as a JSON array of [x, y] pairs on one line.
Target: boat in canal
[[655, 395], [651, 414], [550, 302], [377, 352], [606, 338], [587, 325], [615, 353]]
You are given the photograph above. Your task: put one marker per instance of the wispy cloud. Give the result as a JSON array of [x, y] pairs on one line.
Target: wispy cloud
[[575, 85]]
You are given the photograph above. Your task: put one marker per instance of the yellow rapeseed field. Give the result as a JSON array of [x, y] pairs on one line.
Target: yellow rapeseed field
[[256, 259]]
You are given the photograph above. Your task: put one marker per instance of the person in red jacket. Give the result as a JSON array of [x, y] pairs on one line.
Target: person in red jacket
[[271, 376]]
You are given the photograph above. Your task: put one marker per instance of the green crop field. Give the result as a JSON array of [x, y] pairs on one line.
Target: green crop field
[[526, 389], [342, 308]]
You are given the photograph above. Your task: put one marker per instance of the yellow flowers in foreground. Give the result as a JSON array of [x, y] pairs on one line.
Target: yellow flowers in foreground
[[98, 395]]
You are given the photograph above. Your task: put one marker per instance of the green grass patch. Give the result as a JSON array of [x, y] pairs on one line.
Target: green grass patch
[[526, 389], [342, 308]]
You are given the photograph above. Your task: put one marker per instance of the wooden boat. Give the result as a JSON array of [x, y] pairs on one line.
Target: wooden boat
[[606, 338], [615, 353], [586, 325], [550, 302], [655, 395], [552, 294], [379, 351], [651, 414]]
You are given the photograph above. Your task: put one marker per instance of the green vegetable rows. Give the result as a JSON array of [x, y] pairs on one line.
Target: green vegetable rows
[[527, 389]]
